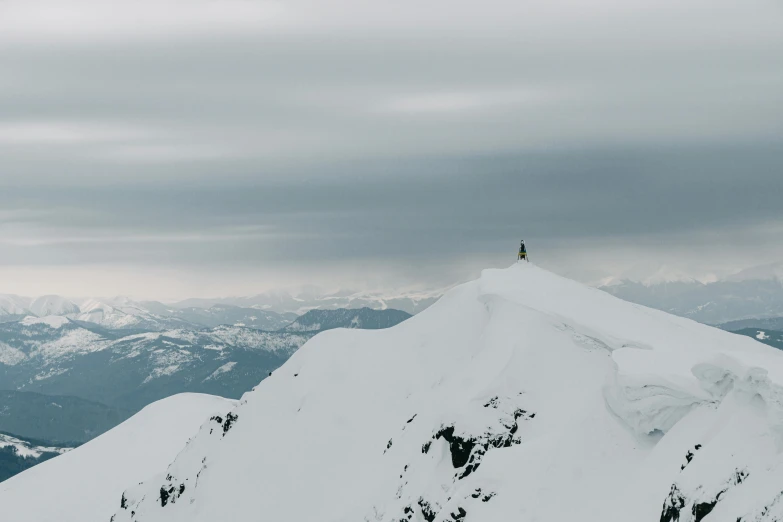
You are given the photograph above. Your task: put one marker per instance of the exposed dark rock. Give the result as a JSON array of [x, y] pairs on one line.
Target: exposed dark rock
[[459, 515], [231, 418], [672, 506], [460, 448], [164, 496], [689, 456], [426, 510], [702, 510], [493, 403], [468, 452], [676, 501]]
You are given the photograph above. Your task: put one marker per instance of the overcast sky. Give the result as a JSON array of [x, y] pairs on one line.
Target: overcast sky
[[175, 148]]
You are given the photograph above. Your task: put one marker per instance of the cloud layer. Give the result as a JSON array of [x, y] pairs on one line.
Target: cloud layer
[[291, 142]]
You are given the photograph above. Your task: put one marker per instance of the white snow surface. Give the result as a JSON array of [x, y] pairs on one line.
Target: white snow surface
[[571, 404], [86, 484], [520, 396]]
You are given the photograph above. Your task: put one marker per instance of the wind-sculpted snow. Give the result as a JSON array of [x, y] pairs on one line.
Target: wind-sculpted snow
[[520, 396]]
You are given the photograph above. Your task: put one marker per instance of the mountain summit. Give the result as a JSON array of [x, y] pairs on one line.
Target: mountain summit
[[519, 396]]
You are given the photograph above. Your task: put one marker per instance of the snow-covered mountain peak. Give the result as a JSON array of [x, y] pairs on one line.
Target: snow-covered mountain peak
[[519, 396], [47, 305], [91, 305], [13, 305], [115, 313], [773, 271], [668, 274]]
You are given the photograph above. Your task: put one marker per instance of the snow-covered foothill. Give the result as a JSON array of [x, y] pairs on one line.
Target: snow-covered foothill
[[26, 449], [52, 321], [86, 484], [519, 396]]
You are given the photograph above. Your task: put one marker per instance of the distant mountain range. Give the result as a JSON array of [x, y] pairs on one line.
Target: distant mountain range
[[766, 323], [121, 313], [62, 420], [65, 380], [283, 302], [133, 370], [770, 337], [363, 318], [18, 454], [271, 311], [56, 355], [36, 427], [751, 294]]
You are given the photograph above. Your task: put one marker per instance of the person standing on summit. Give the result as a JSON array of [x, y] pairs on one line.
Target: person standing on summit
[[522, 252]]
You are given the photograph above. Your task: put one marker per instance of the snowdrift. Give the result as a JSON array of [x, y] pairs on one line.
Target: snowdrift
[[519, 396], [86, 483]]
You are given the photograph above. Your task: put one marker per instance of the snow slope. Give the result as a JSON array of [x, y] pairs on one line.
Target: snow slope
[[519, 396], [86, 483]]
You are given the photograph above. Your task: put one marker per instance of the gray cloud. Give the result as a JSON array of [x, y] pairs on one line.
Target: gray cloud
[[164, 136]]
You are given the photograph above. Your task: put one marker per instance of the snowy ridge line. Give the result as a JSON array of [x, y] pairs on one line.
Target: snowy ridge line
[[485, 407], [648, 402], [519, 396]]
